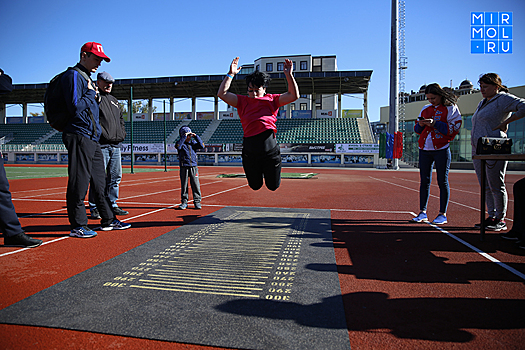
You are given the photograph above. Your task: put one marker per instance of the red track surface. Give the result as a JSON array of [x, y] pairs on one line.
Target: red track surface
[[404, 286]]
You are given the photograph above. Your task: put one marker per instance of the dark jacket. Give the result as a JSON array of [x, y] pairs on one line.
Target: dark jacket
[[111, 120], [186, 150], [80, 99]]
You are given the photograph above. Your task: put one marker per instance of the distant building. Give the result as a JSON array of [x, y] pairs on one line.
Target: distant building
[[302, 63]]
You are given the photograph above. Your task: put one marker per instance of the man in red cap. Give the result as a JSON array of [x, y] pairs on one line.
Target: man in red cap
[[81, 137]]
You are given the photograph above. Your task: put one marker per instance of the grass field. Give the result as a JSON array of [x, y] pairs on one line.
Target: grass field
[[37, 172]]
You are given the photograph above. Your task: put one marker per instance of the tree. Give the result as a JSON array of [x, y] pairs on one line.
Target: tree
[[138, 107]]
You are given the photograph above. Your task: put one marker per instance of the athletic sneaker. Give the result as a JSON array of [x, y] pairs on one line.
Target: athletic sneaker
[[21, 240], [82, 232], [116, 224], [118, 211], [440, 220], [421, 217], [95, 214], [498, 225], [198, 206], [183, 206], [488, 221], [512, 235]]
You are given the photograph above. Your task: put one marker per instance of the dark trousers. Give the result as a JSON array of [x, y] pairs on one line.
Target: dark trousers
[[518, 190], [9, 224], [191, 172], [441, 159], [85, 166], [261, 159]]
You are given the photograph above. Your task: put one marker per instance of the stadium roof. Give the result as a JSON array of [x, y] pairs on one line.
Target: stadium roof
[[345, 82]]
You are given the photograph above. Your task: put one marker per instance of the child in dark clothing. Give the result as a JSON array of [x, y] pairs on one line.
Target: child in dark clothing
[[186, 146]]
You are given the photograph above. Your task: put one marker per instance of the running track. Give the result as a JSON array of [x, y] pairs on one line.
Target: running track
[[404, 286]]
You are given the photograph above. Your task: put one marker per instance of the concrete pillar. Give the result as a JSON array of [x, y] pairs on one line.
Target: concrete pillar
[[2, 113], [365, 105], [172, 109], [194, 108], [289, 111], [314, 107], [216, 110], [339, 106], [150, 109], [24, 112]]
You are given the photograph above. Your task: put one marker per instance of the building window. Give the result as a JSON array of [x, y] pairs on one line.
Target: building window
[[292, 106], [294, 66], [269, 67], [257, 68], [280, 66], [303, 107], [304, 65]]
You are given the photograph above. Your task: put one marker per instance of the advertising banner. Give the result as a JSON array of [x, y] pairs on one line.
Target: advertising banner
[[328, 158], [148, 148], [36, 119], [47, 157], [14, 120], [294, 158], [182, 115], [230, 158], [298, 114], [359, 159], [357, 148], [212, 148], [25, 157], [160, 116], [140, 117], [300, 147], [229, 115], [352, 113], [326, 113], [205, 115]]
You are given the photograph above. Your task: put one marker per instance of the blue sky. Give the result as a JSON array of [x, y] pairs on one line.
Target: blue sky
[[172, 38]]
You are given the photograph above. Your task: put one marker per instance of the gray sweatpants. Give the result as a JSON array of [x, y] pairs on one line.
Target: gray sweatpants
[[495, 190], [193, 173]]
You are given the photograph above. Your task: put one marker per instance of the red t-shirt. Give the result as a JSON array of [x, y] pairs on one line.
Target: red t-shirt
[[258, 114]]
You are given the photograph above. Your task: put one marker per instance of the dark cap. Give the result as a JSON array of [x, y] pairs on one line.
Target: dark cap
[[96, 49], [106, 77]]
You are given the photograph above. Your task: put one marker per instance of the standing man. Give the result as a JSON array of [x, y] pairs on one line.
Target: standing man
[[81, 136], [10, 226], [113, 133]]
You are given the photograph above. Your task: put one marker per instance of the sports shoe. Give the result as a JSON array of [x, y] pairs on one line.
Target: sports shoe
[[21, 240], [498, 225], [440, 220], [512, 235], [488, 221], [118, 211], [115, 225], [82, 232], [198, 206], [95, 214], [183, 206], [421, 217]]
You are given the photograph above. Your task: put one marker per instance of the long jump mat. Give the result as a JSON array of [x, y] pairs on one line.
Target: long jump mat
[[245, 278]]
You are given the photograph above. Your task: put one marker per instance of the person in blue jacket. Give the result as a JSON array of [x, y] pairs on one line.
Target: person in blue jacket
[[81, 137], [186, 146]]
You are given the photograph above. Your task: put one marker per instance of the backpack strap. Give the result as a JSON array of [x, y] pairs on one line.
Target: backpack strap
[[89, 81]]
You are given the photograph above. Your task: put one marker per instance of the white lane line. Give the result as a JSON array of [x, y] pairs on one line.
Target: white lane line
[[477, 250], [127, 219], [417, 190]]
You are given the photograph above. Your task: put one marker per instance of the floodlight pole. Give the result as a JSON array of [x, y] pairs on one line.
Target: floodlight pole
[[394, 76], [131, 123], [165, 148]]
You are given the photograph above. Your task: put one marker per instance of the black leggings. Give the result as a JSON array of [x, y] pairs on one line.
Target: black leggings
[[261, 159]]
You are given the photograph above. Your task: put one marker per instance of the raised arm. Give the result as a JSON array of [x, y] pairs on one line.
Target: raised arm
[[223, 93], [293, 90]]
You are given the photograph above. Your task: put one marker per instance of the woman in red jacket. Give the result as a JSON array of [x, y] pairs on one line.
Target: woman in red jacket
[[437, 125]]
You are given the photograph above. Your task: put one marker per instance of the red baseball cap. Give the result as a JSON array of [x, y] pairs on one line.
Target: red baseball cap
[[96, 49]]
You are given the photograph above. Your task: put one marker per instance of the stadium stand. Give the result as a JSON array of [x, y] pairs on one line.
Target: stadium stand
[[326, 130]]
